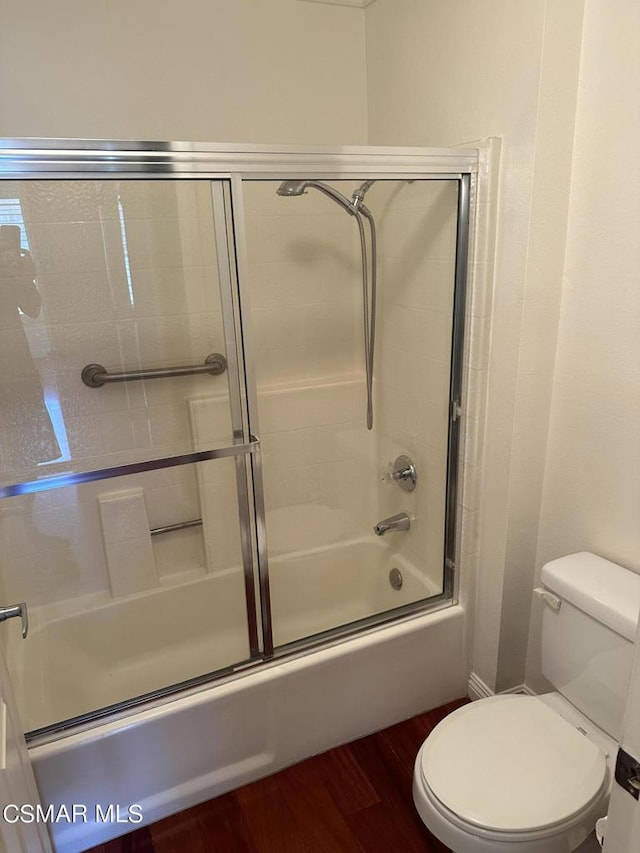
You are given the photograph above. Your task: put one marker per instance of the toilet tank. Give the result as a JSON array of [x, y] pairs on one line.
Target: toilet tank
[[588, 642]]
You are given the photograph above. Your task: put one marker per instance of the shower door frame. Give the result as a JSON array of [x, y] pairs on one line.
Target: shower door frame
[[465, 181], [230, 165]]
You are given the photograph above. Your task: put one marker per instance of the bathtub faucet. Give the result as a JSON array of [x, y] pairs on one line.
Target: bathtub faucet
[[401, 521]]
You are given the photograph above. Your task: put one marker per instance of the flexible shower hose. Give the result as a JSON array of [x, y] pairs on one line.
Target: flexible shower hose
[[368, 303]]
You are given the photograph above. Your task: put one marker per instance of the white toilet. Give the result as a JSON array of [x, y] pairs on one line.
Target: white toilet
[[532, 774]]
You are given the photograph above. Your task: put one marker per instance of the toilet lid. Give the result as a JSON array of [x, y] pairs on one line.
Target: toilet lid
[[511, 764]]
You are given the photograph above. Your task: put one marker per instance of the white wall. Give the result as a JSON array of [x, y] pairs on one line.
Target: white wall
[[591, 496], [443, 74], [212, 70]]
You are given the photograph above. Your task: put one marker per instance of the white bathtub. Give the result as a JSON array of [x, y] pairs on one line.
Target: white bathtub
[[190, 748], [78, 663], [323, 588]]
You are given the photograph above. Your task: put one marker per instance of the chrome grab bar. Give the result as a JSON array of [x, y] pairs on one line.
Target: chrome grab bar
[[95, 375], [180, 525]]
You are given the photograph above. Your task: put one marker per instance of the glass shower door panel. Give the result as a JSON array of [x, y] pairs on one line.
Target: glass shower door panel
[[125, 544], [327, 478]]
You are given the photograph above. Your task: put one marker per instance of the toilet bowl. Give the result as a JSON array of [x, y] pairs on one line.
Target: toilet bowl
[[510, 775], [532, 774]]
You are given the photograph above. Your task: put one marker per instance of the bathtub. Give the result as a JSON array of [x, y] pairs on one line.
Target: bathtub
[[192, 746]]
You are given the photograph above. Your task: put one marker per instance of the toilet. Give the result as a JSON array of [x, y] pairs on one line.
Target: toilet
[[532, 774]]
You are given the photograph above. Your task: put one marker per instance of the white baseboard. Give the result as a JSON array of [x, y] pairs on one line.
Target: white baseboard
[[477, 689], [521, 689]]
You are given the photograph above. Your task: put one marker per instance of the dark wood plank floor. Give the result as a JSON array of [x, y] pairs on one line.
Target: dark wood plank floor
[[353, 799]]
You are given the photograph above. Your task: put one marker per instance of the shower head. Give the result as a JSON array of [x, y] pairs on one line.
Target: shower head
[[295, 188], [292, 188]]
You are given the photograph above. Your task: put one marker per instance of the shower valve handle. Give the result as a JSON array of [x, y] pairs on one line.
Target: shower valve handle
[[403, 472], [14, 610]]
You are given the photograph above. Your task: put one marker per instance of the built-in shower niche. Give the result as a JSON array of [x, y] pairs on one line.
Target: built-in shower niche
[[323, 470]]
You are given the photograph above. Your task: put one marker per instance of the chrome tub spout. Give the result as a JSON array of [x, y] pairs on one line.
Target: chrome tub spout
[[401, 521]]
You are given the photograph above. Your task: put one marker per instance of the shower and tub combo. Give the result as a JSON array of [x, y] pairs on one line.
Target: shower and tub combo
[[224, 569]]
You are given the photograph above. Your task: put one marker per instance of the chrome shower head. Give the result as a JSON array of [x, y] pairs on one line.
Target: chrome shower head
[[292, 188]]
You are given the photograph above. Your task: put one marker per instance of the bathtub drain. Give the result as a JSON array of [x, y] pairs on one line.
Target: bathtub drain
[[395, 578]]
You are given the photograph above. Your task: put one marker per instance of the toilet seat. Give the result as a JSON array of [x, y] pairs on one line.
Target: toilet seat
[[509, 765]]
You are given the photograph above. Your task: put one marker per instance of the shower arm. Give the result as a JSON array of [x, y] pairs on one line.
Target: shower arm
[[344, 203]]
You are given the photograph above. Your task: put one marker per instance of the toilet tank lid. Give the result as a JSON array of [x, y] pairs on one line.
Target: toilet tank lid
[[604, 590]]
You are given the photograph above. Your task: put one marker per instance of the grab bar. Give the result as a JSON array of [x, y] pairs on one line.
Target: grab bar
[[180, 525], [95, 375]]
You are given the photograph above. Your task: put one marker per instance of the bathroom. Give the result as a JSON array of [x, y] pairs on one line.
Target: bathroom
[[548, 83]]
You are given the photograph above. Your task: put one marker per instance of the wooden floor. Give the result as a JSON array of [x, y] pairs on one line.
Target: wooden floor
[[353, 799]]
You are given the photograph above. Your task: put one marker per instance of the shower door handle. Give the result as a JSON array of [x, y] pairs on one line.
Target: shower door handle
[[55, 481], [14, 610]]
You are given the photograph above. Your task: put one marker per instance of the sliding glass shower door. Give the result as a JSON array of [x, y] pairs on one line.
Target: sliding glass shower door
[[125, 505], [358, 464]]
